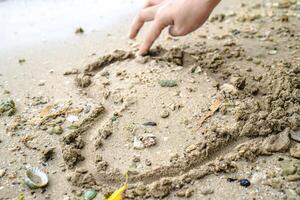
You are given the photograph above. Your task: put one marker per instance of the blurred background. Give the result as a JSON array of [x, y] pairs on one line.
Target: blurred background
[[27, 22]]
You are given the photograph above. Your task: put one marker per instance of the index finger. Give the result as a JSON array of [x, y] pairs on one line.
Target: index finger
[[154, 32], [146, 14]]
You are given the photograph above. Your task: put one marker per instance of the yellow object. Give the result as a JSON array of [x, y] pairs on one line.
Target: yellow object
[[20, 197], [117, 195]]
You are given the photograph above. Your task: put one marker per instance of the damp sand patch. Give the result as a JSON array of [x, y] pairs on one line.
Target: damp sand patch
[[174, 150]]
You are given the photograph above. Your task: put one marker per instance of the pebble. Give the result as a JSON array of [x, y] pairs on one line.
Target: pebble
[[295, 151], [56, 130], [2, 172], [238, 82], [150, 123], [277, 143], [164, 114], [207, 191], [136, 158], [41, 83], [148, 162], [184, 193], [79, 30], [272, 52], [141, 142], [287, 167], [245, 182], [89, 195], [167, 83], [294, 177], [48, 154]]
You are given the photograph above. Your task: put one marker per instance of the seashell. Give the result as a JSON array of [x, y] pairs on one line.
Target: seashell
[[35, 178], [89, 195]]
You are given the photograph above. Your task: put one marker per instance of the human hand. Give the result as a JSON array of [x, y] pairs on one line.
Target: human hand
[[182, 17]]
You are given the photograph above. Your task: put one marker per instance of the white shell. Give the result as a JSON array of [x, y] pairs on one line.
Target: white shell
[[33, 184]]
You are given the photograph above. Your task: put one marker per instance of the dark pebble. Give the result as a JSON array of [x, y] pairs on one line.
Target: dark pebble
[[150, 123], [245, 182]]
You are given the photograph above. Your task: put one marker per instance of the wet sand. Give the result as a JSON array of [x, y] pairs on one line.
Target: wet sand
[[182, 161]]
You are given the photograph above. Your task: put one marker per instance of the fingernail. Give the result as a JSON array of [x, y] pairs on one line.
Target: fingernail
[[141, 53]]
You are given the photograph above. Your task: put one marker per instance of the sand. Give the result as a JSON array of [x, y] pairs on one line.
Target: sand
[[192, 119]]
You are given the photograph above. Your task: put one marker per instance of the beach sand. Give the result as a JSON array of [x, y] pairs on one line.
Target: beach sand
[[197, 118]]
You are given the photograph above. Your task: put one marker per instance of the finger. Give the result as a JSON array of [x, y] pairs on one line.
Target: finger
[[150, 3], [146, 14], [154, 32]]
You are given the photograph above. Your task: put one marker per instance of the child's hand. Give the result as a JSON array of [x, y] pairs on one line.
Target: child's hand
[[182, 17]]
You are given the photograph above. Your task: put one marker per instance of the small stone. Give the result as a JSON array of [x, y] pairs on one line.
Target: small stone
[[207, 191], [136, 159], [148, 162], [137, 143], [228, 89], [277, 143], [273, 52], [105, 132], [293, 177], [239, 82], [71, 72], [245, 182], [89, 195], [288, 167], [21, 61], [2, 172], [190, 148], [184, 193], [284, 18], [83, 81], [101, 166], [295, 151], [180, 193], [58, 130], [188, 193], [7, 107], [98, 142], [79, 30], [41, 83], [150, 123], [140, 191], [164, 114], [295, 135], [48, 154], [167, 83], [149, 140], [141, 142]]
